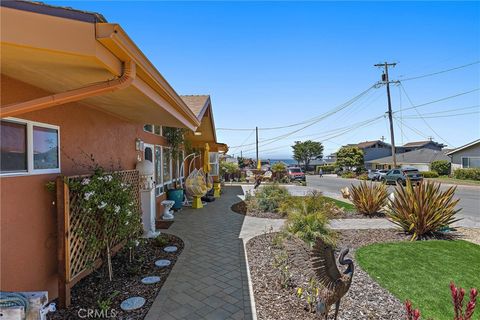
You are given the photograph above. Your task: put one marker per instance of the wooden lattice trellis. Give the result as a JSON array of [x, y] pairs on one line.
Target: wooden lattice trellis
[[74, 262]]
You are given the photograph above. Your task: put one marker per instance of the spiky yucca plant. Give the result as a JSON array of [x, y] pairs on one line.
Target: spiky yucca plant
[[369, 198], [424, 210]]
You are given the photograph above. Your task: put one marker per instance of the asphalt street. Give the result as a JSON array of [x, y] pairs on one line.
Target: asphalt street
[[469, 196]]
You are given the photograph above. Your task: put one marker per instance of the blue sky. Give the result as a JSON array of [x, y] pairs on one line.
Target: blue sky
[[270, 64]]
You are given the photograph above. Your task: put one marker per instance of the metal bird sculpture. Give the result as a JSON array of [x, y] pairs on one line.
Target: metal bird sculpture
[[320, 260]]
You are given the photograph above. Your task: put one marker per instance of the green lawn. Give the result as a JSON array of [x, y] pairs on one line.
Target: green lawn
[[422, 270], [342, 204], [446, 179]]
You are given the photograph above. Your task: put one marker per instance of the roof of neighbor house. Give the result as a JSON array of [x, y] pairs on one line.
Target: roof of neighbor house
[[468, 145], [420, 143], [367, 144], [416, 156], [197, 103]]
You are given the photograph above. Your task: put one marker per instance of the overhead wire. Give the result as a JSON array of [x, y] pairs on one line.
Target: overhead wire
[[423, 119], [440, 72]]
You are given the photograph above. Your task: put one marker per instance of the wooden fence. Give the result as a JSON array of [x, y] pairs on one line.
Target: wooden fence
[[74, 262]]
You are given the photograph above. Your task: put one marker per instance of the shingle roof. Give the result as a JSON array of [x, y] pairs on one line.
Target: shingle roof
[[196, 103], [416, 156], [464, 146], [420, 143], [58, 11], [367, 144]]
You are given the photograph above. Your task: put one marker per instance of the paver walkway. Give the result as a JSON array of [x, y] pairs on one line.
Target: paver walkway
[[210, 279]]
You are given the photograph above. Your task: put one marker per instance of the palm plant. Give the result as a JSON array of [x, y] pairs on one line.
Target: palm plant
[[424, 210], [368, 198]]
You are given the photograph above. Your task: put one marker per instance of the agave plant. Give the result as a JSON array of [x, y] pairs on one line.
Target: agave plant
[[424, 210], [369, 198]]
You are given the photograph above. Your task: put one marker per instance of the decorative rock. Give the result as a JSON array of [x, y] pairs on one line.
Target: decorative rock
[[150, 280], [162, 263], [132, 303], [170, 249]]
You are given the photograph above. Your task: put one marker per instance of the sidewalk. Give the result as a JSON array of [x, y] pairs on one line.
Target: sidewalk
[[211, 279]]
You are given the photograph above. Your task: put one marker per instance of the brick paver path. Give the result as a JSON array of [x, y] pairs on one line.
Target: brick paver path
[[210, 278]]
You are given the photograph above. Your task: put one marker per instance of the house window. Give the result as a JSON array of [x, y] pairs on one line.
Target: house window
[[470, 162], [153, 128], [214, 165], [29, 147]]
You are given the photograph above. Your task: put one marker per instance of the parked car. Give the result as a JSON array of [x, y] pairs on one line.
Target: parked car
[[401, 175], [295, 173], [376, 175]]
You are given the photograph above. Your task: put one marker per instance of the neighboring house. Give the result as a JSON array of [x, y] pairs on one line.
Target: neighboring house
[[427, 144], [74, 85], [467, 156], [373, 150], [420, 159]]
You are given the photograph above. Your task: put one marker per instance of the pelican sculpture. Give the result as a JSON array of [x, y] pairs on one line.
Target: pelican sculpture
[[321, 262]]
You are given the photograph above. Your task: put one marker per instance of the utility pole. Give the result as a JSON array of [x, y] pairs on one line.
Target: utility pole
[[256, 142], [390, 117], [241, 154]]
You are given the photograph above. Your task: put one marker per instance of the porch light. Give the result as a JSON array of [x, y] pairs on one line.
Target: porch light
[[198, 133], [139, 144]]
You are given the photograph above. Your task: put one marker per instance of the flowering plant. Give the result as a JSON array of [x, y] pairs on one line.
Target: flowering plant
[[108, 212], [457, 299]]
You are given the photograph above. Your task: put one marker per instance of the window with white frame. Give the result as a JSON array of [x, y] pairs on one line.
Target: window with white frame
[[214, 165], [29, 147], [470, 162], [153, 128]]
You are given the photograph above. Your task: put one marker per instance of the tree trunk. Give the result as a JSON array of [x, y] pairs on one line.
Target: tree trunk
[[109, 262]]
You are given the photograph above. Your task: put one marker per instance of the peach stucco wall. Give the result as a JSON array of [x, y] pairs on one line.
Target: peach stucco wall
[[27, 213]]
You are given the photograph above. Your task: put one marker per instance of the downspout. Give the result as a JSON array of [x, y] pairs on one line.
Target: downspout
[[91, 90]]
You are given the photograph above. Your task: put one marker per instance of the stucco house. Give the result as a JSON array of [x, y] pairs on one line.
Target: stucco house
[[74, 85], [466, 156]]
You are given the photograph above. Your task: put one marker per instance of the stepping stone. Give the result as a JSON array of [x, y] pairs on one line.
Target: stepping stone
[[162, 263], [150, 280], [170, 249], [132, 303]]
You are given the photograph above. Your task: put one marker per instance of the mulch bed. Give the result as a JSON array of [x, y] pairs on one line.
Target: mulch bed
[[344, 214], [365, 299], [95, 288], [241, 208]]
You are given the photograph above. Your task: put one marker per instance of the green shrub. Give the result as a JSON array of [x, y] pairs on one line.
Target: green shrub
[[363, 176], [430, 174], [369, 198], [328, 168], [314, 202], [279, 167], [309, 227], [267, 199], [442, 167], [349, 175], [424, 210], [467, 174]]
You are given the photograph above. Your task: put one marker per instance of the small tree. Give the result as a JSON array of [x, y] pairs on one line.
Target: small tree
[[278, 168], [349, 156], [228, 168], [441, 166], [306, 151]]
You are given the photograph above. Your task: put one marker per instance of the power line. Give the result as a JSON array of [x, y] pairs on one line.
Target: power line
[[438, 100], [441, 116], [423, 119], [314, 119], [412, 129], [440, 72]]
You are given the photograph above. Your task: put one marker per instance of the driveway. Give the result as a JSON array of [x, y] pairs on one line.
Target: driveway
[[469, 196]]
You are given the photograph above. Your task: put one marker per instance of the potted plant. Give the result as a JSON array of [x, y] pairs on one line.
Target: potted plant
[[175, 139]]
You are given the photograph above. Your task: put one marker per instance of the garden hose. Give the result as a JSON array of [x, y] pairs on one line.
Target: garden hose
[[14, 299]]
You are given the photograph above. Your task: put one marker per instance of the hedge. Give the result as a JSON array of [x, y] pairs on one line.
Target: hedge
[[430, 174], [467, 174], [442, 167]]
